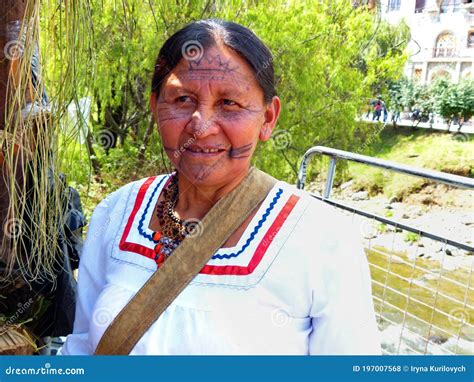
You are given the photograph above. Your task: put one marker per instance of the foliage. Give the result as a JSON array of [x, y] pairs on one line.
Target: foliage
[[385, 55], [423, 99], [348, 54], [408, 95], [400, 94], [411, 237], [452, 101], [342, 66]]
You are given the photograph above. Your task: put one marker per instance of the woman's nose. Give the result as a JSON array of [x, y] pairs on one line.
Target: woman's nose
[[203, 122]]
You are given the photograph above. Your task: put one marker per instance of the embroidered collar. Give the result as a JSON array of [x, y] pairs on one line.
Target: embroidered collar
[[224, 253], [239, 260]]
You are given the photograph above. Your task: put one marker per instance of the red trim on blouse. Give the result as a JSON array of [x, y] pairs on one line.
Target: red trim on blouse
[[134, 247], [210, 269], [261, 248]]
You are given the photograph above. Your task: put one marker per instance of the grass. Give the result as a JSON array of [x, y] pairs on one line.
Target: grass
[[421, 148]]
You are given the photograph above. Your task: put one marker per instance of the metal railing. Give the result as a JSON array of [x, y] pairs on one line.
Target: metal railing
[[415, 316], [437, 176]]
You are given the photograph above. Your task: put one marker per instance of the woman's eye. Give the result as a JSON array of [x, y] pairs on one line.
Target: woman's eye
[[229, 102], [183, 99]]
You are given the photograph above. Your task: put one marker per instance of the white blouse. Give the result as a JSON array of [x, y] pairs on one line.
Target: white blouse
[[297, 282]]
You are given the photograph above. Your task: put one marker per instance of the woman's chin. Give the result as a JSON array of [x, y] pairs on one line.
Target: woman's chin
[[207, 173], [215, 173]]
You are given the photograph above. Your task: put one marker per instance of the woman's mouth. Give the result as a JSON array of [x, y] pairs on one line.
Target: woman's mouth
[[204, 151]]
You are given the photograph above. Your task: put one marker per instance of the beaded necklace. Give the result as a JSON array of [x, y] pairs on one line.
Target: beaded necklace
[[173, 229]]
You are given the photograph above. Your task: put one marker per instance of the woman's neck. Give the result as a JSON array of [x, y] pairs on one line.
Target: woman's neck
[[195, 201]]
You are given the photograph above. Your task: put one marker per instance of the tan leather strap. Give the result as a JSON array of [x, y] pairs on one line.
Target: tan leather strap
[[184, 264]]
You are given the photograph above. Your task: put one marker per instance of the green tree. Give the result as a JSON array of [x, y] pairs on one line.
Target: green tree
[[423, 101], [454, 102], [401, 94], [383, 55], [329, 58], [328, 62]]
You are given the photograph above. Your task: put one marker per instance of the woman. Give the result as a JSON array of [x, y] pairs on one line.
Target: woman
[[292, 279]]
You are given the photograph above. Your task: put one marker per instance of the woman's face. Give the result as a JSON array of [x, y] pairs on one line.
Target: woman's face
[[211, 113]]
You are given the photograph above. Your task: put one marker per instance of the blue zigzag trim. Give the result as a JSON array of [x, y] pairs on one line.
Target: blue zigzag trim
[[255, 230], [216, 256], [142, 219]]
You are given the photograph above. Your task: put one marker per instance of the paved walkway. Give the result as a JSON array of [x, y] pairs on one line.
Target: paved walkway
[[466, 129]]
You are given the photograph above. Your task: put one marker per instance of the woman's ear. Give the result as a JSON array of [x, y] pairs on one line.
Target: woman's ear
[[272, 112]]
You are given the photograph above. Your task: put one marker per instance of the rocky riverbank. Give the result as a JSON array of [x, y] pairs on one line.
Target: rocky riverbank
[[440, 209], [438, 317]]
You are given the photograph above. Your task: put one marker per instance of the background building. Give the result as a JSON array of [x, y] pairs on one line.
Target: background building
[[442, 37]]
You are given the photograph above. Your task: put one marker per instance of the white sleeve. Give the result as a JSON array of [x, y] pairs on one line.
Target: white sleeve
[[342, 313], [91, 279]]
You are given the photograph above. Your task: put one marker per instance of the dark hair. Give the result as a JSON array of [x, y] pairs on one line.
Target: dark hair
[[202, 34]]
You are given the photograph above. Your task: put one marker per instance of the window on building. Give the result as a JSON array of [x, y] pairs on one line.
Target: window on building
[[440, 74], [470, 39], [417, 75], [420, 6], [445, 45], [450, 6], [394, 5], [466, 74]]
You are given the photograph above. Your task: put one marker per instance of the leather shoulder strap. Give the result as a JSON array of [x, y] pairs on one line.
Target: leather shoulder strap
[[187, 260]]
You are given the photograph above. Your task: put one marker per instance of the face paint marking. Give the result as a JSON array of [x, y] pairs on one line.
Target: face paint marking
[[239, 152], [223, 65]]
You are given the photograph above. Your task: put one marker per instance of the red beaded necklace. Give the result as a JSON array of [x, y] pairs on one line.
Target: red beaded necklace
[[173, 229]]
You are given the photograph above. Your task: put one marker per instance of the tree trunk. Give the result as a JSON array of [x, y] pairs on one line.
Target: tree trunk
[[11, 19], [146, 138], [94, 161], [10, 22]]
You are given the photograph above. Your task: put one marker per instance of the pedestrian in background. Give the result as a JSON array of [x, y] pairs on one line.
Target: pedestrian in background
[[377, 110]]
